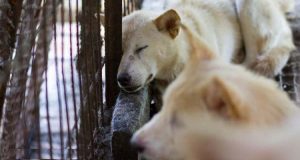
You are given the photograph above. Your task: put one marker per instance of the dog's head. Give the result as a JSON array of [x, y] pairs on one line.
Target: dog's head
[[185, 104], [148, 43], [210, 88], [212, 138]]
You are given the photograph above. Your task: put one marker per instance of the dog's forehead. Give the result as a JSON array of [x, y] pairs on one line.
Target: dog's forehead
[[133, 23]]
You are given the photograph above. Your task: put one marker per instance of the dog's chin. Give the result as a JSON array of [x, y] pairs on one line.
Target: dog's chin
[[149, 79], [148, 155], [131, 89]]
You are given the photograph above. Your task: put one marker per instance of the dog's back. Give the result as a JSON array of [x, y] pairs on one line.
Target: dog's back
[[204, 18]]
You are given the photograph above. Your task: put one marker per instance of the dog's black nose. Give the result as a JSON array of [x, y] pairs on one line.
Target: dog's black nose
[[124, 79], [137, 146]]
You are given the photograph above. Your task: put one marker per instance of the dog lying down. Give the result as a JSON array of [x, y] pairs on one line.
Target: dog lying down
[[210, 111]]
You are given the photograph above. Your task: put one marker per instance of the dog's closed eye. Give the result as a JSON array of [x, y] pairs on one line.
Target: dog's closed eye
[[137, 51]]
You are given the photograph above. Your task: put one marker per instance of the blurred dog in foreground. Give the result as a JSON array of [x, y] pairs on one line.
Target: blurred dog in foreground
[[213, 139], [210, 111], [217, 141]]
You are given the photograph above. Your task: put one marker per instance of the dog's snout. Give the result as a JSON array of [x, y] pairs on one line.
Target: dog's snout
[[137, 145], [124, 79]]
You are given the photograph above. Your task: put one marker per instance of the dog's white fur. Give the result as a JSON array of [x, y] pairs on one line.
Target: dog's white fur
[[155, 46], [286, 6], [165, 56], [267, 35], [219, 141], [190, 102], [212, 96], [215, 140]]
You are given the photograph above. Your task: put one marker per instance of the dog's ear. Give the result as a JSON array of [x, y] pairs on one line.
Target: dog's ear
[[168, 22], [223, 98], [199, 49]]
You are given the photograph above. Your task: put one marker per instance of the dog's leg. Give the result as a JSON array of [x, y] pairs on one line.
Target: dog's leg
[[272, 64], [267, 36], [286, 6]]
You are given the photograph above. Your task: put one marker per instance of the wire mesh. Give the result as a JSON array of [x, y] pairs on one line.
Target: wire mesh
[[53, 69]]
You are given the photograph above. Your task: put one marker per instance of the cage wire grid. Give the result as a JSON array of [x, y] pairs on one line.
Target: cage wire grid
[[57, 84]]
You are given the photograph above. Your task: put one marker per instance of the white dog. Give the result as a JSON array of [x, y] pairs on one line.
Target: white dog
[[155, 45]]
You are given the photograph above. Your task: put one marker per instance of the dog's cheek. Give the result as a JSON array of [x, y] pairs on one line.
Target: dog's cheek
[[161, 53]]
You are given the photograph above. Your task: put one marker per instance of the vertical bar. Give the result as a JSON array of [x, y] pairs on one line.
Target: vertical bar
[[127, 7], [16, 94], [91, 42], [63, 76], [124, 7], [72, 80], [113, 47], [87, 63], [90, 63], [99, 72], [38, 127], [34, 74], [97, 56], [53, 9], [132, 5], [48, 114], [85, 115], [81, 143], [7, 39], [58, 87], [35, 81]]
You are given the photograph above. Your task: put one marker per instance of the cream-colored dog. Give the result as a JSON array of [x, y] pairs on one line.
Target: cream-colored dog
[[155, 46], [210, 90], [218, 140]]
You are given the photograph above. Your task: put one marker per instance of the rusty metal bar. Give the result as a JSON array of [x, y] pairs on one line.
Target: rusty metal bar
[[113, 48], [39, 67], [9, 19], [80, 142], [89, 67], [29, 71], [15, 94], [84, 132]]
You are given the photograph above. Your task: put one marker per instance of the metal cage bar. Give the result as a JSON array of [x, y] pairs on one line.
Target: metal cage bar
[[58, 86]]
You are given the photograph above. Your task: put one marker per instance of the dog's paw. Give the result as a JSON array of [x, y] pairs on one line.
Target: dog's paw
[[264, 67]]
